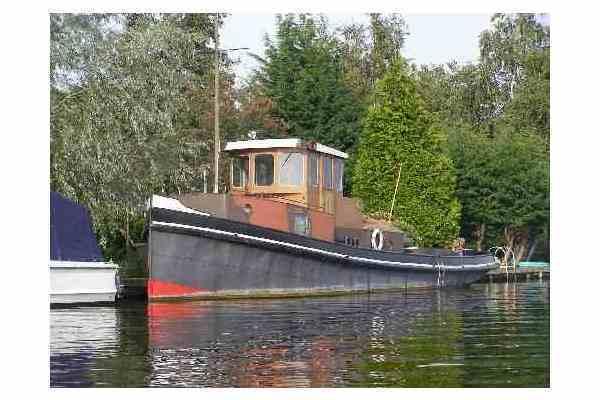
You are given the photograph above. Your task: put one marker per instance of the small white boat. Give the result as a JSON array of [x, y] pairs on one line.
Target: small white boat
[[83, 282], [78, 273]]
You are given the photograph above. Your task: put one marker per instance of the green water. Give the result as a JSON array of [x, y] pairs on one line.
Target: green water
[[494, 335]]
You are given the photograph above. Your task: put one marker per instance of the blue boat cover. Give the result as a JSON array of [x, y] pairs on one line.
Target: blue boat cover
[[71, 234]]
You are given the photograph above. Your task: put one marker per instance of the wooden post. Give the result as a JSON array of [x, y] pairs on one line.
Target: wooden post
[[217, 133], [395, 192]]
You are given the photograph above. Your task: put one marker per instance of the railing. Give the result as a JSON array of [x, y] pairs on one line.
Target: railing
[[506, 258]]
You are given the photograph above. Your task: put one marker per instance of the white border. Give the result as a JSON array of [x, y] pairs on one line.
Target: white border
[[574, 208]]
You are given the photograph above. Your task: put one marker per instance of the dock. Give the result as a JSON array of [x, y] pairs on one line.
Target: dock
[[516, 275], [133, 288]]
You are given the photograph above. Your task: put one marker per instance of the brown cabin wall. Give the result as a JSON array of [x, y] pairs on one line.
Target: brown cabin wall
[[268, 213], [275, 215], [332, 216], [265, 213], [322, 225], [348, 213], [346, 223]]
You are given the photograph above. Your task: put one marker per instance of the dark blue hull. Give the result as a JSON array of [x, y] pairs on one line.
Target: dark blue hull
[[197, 256]]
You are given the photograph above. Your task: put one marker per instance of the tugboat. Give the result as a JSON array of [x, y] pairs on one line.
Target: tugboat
[[285, 229]]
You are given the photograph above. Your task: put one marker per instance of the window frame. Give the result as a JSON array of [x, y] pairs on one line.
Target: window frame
[[317, 159], [331, 182], [255, 176], [280, 156], [338, 181], [294, 216], [245, 160]]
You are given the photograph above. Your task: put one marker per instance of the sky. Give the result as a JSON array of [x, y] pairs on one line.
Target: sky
[[433, 39]]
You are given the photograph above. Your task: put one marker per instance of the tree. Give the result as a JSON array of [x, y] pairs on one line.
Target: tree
[[401, 138], [505, 49], [127, 115], [369, 50], [510, 85], [302, 75], [458, 94], [389, 33], [497, 115], [256, 112], [503, 186], [529, 110]]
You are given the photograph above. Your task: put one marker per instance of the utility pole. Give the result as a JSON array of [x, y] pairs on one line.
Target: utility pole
[[217, 133]]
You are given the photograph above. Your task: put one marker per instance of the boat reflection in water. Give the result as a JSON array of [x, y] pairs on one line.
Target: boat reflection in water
[[231, 344], [77, 336], [423, 339], [99, 346], [351, 341], [484, 336]]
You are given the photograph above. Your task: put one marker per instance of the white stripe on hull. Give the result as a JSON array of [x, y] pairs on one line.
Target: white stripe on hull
[[314, 250]]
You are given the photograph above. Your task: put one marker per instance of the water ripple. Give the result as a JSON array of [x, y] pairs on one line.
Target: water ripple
[[485, 336]]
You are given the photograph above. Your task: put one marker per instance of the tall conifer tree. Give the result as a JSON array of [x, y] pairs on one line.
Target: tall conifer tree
[[303, 75], [399, 135]]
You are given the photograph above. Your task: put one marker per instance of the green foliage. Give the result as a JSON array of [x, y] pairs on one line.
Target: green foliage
[[125, 116], [256, 112], [369, 50], [399, 133], [505, 48], [303, 76], [497, 115], [458, 94], [388, 35], [502, 181], [529, 110], [131, 114], [510, 85]]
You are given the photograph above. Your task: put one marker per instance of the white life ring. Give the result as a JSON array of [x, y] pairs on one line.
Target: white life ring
[[377, 239]]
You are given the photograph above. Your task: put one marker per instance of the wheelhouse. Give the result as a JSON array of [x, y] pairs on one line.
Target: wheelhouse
[[307, 174]]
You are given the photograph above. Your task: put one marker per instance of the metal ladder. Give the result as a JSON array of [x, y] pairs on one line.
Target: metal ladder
[[506, 259]]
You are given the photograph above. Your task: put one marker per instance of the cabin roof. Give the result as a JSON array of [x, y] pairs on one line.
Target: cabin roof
[[283, 143]]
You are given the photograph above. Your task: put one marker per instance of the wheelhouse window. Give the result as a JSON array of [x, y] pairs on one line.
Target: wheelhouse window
[[313, 169], [338, 175], [239, 172], [327, 173], [291, 169], [263, 167], [301, 224]]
